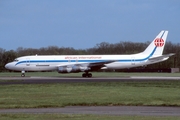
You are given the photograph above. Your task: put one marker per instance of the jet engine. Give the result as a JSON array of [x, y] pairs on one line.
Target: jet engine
[[72, 69]]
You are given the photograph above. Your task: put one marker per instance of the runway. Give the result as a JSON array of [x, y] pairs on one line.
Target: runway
[[48, 80], [97, 110], [101, 110]]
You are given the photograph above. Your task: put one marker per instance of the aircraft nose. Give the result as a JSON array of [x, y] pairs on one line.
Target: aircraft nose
[[7, 66], [10, 66]]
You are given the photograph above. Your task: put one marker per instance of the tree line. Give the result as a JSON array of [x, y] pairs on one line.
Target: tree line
[[101, 48]]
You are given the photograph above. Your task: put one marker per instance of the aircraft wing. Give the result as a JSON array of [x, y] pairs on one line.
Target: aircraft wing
[[161, 57], [99, 65], [91, 66]]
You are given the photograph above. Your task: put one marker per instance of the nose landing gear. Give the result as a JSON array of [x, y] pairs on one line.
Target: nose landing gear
[[23, 73]]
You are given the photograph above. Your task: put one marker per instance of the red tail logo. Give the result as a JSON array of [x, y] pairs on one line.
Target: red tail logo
[[158, 42]]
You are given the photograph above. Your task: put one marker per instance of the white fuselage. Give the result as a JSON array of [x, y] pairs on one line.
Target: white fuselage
[[52, 62]]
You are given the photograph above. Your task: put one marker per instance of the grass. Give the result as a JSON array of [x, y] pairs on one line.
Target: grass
[[160, 93], [154, 93], [95, 74], [79, 117]]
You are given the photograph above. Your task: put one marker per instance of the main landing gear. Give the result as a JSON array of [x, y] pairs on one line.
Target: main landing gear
[[86, 74], [23, 73]]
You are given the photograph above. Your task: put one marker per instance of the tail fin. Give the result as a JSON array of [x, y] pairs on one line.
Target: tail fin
[[157, 45]]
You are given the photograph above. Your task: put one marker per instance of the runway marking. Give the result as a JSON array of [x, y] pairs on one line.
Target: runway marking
[[152, 77], [93, 78]]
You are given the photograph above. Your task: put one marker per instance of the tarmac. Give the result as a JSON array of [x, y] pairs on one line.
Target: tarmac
[[97, 110], [48, 80]]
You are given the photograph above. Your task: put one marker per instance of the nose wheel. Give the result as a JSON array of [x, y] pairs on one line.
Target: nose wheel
[[87, 75], [22, 73]]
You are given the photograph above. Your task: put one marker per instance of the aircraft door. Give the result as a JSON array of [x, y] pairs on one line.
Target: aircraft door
[[132, 60], [69, 60], [27, 62], [76, 60]]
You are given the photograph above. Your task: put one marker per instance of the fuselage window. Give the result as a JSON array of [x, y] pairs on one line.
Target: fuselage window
[[16, 60]]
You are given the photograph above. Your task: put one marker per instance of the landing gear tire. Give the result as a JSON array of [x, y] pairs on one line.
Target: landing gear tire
[[84, 75], [87, 75], [22, 75]]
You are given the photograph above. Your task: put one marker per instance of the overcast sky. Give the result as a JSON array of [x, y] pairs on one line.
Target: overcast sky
[[82, 24]]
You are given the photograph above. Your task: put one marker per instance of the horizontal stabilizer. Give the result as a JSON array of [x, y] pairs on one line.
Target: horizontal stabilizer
[[161, 57]]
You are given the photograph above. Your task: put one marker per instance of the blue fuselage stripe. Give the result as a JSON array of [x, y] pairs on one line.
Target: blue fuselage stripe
[[91, 61]]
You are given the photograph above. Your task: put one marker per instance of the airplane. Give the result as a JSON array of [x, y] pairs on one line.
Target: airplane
[[88, 63]]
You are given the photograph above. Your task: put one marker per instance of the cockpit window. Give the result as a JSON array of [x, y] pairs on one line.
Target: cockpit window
[[16, 60]]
